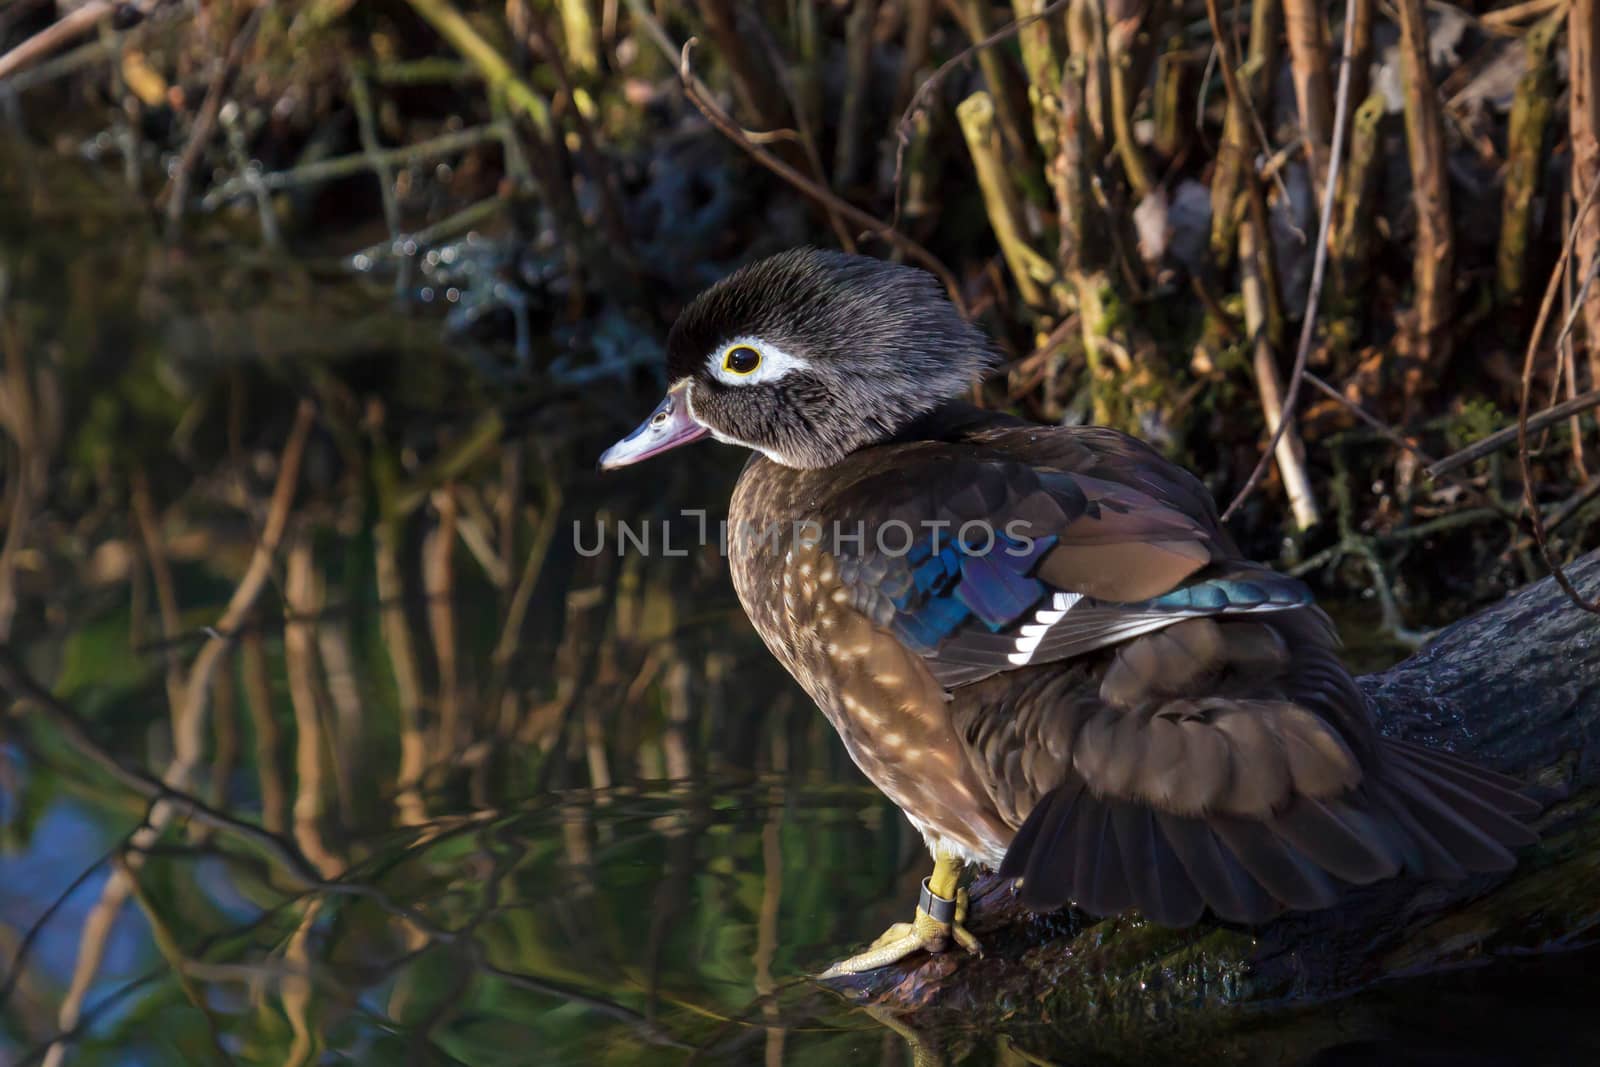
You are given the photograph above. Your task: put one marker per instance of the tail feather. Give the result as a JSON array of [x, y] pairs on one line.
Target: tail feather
[[1278, 867], [1345, 840], [1163, 890], [1500, 791], [1420, 812], [1215, 873]]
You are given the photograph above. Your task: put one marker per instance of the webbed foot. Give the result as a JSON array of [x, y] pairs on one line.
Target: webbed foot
[[939, 921]]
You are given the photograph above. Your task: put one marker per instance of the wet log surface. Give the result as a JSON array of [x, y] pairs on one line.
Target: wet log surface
[[1515, 687]]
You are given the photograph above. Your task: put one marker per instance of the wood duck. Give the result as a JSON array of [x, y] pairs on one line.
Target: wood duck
[[1039, 641]]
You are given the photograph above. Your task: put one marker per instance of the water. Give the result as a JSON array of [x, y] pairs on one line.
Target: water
[[523, 804]]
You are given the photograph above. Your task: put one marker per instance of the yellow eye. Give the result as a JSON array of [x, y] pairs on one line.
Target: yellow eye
[[741, 360]]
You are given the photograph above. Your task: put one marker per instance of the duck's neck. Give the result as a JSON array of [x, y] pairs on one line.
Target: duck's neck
[[950, 421]]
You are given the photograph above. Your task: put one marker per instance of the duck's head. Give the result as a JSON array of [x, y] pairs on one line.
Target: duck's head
[[808, 356]]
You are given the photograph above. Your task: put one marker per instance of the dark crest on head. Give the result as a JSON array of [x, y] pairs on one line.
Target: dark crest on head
[[865, 346]]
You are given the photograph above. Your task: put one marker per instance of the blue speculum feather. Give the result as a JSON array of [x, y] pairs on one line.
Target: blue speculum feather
[[1233, 594], [942, 588]]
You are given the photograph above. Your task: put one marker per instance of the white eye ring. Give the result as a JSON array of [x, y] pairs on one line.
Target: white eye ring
[[771, 362]]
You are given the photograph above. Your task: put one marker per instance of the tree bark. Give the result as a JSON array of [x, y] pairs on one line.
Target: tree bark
[[1515, 688]]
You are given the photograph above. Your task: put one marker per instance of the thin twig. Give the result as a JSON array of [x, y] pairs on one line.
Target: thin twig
[[1383, 429], [1524, 462], [356, 162], [1399, 440], [1563, 512], [1500, 438], [75, 23], [1308, 325], [694, 89]]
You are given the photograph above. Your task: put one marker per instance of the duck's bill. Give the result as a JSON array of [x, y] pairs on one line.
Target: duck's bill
[[668, 426]]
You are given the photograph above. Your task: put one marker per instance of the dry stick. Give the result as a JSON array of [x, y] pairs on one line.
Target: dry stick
[[166, 944], [1170, 134], [751, 142], [505, 648], [1563, 512], [1043, 67], [74, 24], [978, 120], [1567, 359], [1119, 39], [755, 84], [367, 130], [1352, 237], [1308, 63], [1253, 285], [19, 958], [1360, 56], [1308, 325], [1500, 438], [1583, 51], [905, 129], [187, 732], [972, 15], [1383, 429], [19, 416], [355, 163], [577, 30], [1434, 253], [1501, 21], [396, 630], [1524, 463], [1237, 97], [1575, 304], [344, 691]]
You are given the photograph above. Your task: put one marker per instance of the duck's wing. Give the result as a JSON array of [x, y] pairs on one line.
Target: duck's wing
[[983, 564]]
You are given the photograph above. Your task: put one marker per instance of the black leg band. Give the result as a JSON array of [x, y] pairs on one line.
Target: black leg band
[[939, 908]]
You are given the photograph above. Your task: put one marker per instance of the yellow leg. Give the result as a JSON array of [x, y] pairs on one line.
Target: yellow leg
[[928, 932]]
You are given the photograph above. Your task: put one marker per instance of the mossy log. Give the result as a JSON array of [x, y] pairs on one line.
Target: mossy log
[[1516, 688]]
